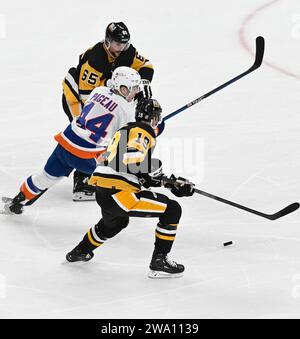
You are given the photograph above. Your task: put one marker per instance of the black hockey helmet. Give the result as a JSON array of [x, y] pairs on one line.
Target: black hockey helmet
[[117, 31], [147, 109]]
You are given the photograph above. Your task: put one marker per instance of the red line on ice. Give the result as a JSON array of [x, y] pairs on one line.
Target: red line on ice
[[246, 46]]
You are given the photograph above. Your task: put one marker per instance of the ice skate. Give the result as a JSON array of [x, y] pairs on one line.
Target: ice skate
[[78, 255], [162, 267], [82, 191], [13, 206]]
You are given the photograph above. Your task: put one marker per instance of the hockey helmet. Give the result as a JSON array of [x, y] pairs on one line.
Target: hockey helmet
[[117, 31], [125, 76], [148, 109]]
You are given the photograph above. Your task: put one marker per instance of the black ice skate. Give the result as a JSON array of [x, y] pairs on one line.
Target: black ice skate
[[82, 191], [78, 255], [162, 267], [15, 205]]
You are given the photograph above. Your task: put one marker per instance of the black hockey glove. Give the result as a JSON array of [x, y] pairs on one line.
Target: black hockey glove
[[153, 178], [180, 187], [145, 92], [147, 181], [146, 88]]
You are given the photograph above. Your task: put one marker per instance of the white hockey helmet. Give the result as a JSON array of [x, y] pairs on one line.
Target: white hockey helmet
[[125, 76]]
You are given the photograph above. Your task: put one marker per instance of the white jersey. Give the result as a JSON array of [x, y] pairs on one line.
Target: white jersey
[[103, 114]]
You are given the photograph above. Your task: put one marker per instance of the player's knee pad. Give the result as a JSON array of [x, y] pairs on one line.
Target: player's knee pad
[[44, 180], [109, 230], [172, 213]]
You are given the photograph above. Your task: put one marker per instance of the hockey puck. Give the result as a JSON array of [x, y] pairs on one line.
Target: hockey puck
[[227, 243]]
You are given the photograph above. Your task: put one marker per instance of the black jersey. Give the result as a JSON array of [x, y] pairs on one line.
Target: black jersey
[[127, 158], [95, 67]]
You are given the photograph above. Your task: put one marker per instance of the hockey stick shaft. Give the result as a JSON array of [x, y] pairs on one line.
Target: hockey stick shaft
[[289, 209], [260, 47]]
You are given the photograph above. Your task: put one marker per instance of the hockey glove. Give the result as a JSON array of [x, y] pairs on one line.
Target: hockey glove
[[146, 88], [180, 187], [154, 178]]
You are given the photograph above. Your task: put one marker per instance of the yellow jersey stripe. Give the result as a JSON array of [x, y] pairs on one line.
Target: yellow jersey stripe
[[112, 183]]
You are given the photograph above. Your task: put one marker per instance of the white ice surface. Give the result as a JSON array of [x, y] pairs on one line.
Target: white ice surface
[[248, 144]]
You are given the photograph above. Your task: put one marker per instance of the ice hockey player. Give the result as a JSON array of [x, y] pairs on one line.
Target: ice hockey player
[[128, 166], [85, 138], [94, 69]]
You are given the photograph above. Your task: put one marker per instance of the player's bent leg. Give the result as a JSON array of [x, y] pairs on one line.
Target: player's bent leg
[[142, 204], [84, 250], [152, 204], [36, 185], [113, 221], [31, 189], [97, 236], [167, 227], [117, 207], [63, 162]]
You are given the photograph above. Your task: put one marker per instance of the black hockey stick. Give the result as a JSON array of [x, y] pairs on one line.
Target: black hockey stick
[[287, 210], [259, 54]]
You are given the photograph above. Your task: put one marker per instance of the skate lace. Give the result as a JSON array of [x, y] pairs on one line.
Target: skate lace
[[170, 262]]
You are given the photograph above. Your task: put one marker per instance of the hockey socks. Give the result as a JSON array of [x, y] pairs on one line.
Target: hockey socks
[[164, 237], [92, 240]]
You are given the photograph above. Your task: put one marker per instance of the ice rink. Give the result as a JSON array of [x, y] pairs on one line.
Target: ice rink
[[241, 144]]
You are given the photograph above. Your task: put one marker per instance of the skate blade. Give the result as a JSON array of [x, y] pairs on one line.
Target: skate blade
[[5, 210], [75, 263], [65, 262], [79, 196], [163, 275], [6, 199]]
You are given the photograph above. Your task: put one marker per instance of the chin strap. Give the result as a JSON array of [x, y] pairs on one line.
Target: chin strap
[[106, 47]]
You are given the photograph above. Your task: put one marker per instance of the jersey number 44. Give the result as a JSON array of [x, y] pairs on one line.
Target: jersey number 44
[[97, 126]]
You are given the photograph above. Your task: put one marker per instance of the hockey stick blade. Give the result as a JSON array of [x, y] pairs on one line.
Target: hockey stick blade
[[259, 54], [260, 50], [287, 210], [5, 212]]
